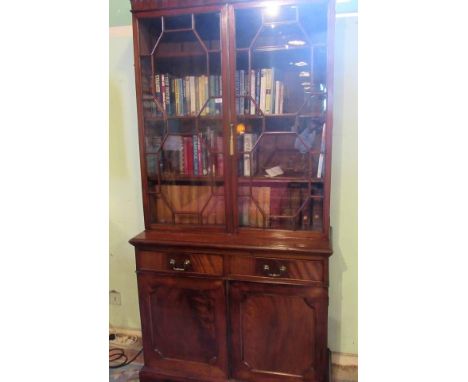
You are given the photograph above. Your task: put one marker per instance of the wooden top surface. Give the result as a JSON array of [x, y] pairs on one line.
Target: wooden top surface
[[147, 5], [241, 241]]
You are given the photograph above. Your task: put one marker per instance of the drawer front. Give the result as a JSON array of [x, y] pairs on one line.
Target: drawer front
[[272, 268], [176, 262]]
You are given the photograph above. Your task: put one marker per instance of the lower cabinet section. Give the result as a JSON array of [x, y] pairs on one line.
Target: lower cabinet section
[[271, 332], [184, 326]]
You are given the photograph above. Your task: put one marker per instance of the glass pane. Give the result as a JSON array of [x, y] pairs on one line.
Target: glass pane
[[178, 22], [150, 31], [280, 88], [182, 108], [207, 25]]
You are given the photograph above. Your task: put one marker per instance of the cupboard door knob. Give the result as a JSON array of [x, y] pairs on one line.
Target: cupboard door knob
[[184, 267]]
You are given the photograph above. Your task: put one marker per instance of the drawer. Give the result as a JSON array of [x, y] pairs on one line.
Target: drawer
[[273, 268], [176, 262]]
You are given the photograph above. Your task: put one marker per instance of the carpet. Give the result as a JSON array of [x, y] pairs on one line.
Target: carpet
[[127, 373]]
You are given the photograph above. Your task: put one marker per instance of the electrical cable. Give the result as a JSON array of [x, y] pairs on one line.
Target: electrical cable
[[116, 354]]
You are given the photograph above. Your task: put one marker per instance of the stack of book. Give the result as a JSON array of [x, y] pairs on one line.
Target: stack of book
[[187, 96], [264, 86]]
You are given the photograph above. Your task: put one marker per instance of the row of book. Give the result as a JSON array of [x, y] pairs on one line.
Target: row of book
[[186, 96], [186, 155], [248, 163], [181, 204], [281, 206], [189, 155], [262, 85]]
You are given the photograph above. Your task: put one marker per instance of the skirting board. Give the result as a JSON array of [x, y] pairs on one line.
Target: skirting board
[[344, 365]]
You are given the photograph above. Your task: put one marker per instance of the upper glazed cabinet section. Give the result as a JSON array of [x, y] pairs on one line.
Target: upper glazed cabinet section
[[182, 112], [281, 108]]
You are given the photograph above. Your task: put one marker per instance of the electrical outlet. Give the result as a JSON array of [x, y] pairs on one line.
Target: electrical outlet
[[114, 297]]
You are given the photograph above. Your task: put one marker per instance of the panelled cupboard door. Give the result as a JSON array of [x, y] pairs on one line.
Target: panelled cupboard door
[[278, 332], [184, 326]]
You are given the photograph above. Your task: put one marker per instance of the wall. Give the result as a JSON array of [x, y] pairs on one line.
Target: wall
[[343, 318], [125, 201], [126, 216]]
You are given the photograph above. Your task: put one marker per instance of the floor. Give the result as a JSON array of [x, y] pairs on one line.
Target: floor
[[127, 373], [130, 372]]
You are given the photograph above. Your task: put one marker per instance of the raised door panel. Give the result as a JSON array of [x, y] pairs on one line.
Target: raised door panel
[[184, 326], [278, 332]]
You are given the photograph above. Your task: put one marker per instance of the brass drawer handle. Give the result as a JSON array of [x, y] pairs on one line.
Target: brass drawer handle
[[179, 269], [282, 270]]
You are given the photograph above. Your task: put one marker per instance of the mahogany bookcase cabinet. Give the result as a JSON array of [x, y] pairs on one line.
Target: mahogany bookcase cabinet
[[235, 124]]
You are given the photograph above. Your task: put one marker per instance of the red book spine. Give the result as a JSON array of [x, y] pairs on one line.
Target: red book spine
[[190, 156], [186, 156], [199, 156]]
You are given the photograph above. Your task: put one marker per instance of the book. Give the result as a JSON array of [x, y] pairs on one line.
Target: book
[[172, 155], [268, 91], [278, 194], [189, 154], [281, 97], [157, 88], [240, 148], [262, 89], [249, 141], [163, 213], [277, 97], [252, 92], [316, 214], [237, 89], [195, 155], [153, 162], [257, 88], [193, 107], [291, 206], [274, 171], [262, 196], [219, 157], [241, 91]]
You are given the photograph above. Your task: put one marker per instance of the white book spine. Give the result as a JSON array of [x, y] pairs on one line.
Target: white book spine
[[252, 91], [262, 89], [281, 98], [268, 86], [193, 107], [248, 143], [277, 97]]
